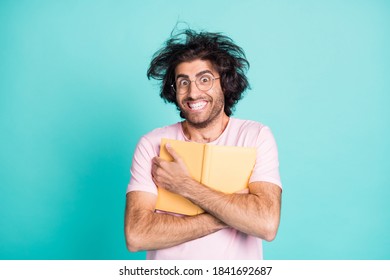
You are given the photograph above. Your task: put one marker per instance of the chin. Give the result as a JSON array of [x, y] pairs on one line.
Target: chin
[[199, 122]]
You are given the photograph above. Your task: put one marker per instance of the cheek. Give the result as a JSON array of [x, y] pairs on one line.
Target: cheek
[[178, 100], [219, 96]]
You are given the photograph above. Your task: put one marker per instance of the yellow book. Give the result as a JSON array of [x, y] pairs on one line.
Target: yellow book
[[223, 168]]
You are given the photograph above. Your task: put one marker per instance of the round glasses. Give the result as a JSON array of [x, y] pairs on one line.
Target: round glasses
[[203, 83]]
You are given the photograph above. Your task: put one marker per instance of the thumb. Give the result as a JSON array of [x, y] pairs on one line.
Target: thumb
[[173, 153]]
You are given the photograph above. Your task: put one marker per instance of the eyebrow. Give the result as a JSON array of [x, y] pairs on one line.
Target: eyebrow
[[197, 75]]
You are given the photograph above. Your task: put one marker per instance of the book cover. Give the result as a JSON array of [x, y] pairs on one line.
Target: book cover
[[192, 155], [223, 168]]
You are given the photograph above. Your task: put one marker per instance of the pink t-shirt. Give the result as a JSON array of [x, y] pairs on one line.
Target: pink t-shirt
[[227, 243]]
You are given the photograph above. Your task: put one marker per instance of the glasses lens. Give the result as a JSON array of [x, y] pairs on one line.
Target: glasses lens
[[205, 82], [182, 85]]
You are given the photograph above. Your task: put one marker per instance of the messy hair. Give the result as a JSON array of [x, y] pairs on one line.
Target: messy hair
[[228, 59]]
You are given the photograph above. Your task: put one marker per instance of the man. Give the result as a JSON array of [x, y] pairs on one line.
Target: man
[[203, 74]]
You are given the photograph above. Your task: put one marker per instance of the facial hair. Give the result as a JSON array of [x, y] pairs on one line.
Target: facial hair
[[216, 111]]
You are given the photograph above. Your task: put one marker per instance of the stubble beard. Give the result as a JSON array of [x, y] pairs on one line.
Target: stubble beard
[[214, 114]]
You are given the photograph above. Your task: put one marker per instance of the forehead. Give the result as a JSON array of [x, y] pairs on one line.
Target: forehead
[[194, 67]]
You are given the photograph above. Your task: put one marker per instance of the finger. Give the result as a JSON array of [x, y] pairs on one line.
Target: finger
[[154, 179], [157, 161], [155, 174], [155, 165], [173, 153]]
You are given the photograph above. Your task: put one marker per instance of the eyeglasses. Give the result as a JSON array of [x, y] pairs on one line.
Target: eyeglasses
[[203, 83]]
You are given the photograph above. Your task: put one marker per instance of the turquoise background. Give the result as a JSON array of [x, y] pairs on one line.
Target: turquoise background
[[74, 100]]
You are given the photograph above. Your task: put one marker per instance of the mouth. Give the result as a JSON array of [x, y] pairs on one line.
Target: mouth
[[197, 105]]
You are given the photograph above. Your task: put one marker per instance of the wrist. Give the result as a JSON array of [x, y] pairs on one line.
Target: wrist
[[188, 187]]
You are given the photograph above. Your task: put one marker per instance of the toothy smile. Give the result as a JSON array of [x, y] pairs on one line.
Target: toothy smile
[[199, 105]]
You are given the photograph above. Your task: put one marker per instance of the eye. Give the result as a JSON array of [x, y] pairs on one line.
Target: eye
[[205, 79], [183, 83]]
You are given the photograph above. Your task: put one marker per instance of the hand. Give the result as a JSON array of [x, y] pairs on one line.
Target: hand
[[170, 175]]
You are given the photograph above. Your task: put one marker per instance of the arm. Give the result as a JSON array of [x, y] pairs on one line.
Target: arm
[[256, 213], [147, 230]]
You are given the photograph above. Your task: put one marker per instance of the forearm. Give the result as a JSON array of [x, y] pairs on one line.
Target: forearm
[[256, 213], [148, 230], [251, 213]]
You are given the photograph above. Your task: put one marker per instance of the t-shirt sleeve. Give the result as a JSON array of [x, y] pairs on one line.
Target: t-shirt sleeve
[[267, 162], [141, 167]]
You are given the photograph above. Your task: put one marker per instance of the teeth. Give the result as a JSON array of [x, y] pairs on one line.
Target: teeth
[[197, 105]]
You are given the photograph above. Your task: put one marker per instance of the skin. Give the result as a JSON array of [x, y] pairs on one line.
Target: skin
[[256, 213], [210, 120]]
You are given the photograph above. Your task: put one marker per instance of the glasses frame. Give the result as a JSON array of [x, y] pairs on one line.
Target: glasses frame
[[197, 86]]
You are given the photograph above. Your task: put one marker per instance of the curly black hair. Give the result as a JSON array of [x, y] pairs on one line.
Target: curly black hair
[[228, 59]]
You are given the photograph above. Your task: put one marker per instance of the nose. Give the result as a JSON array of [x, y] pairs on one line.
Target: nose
[[193, 89]]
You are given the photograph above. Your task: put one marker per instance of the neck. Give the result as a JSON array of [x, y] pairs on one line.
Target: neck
[[205, 134]]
